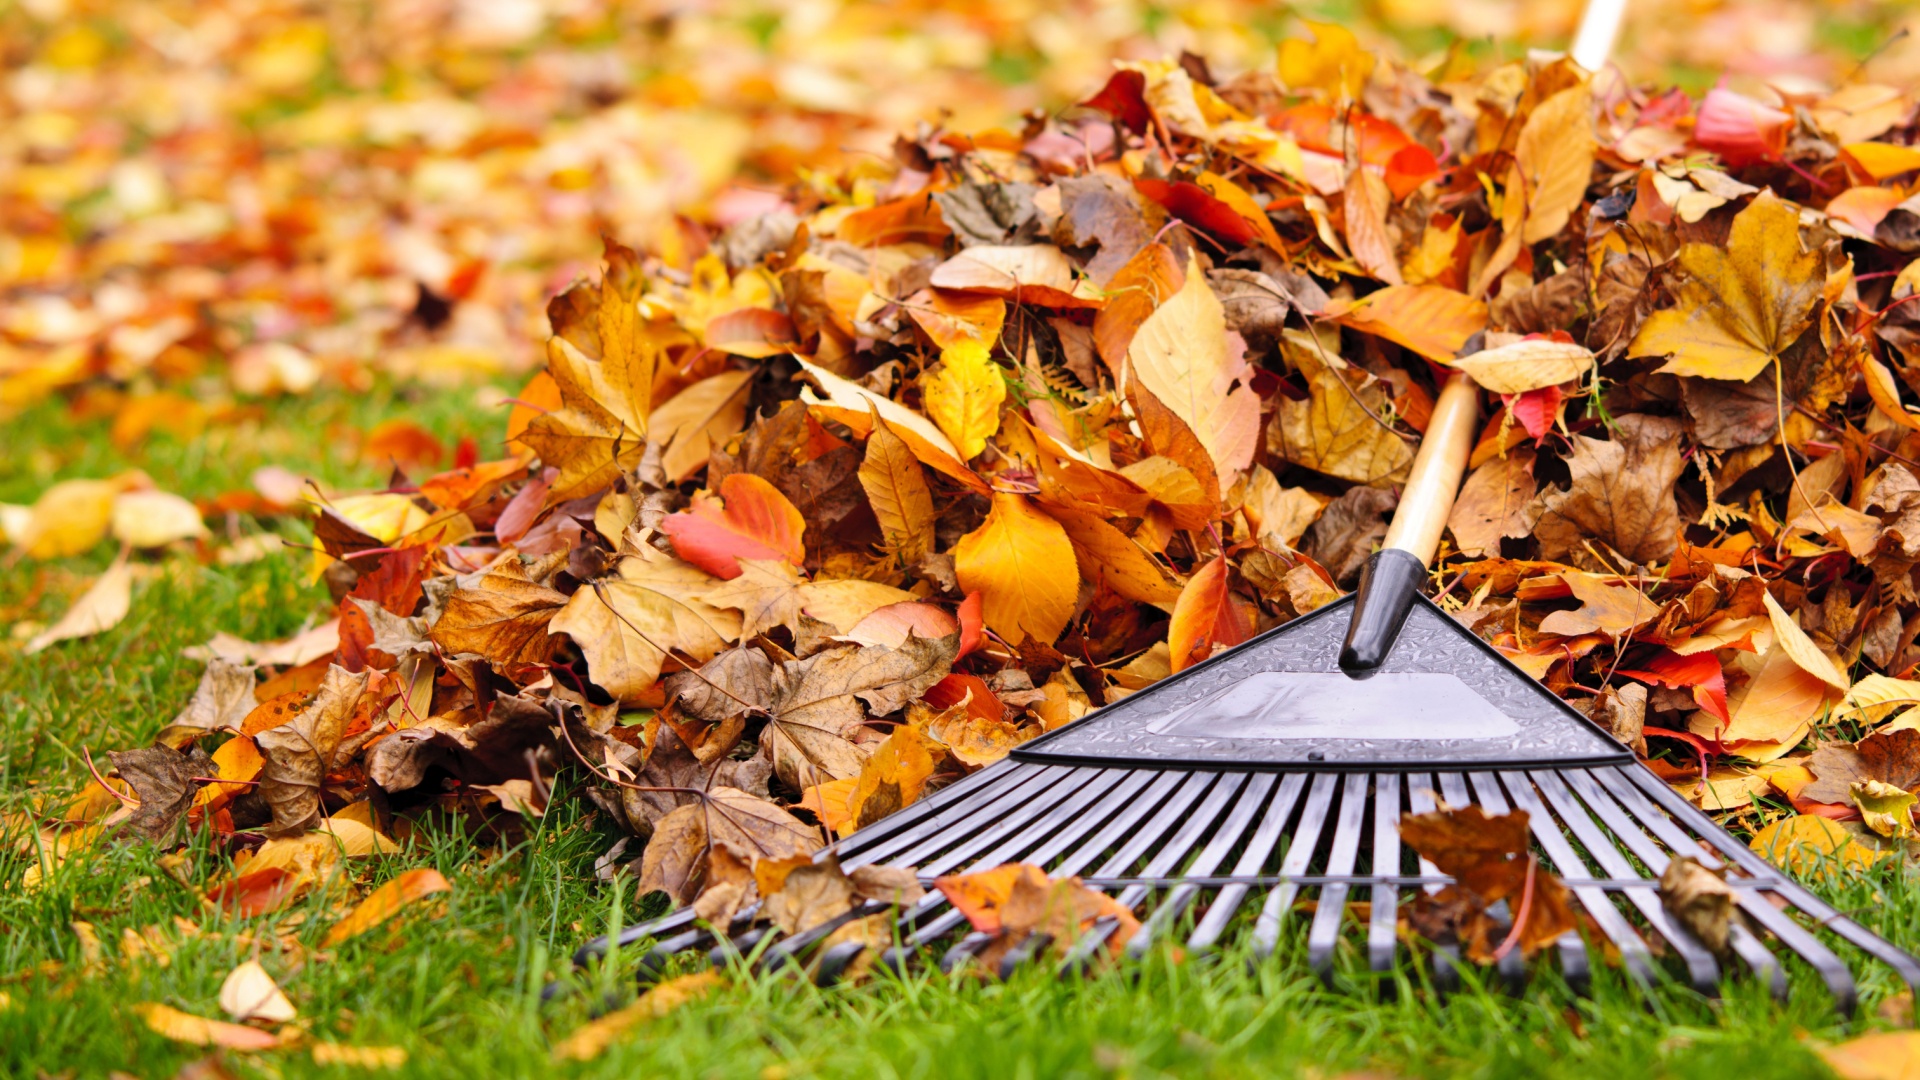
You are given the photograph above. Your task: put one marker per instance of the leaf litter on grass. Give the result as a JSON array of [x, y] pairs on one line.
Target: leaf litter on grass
[[827, 502]]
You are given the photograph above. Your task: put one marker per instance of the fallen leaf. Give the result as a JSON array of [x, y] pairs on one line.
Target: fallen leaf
[[98, 609], [299, 753], [1700, 900], [1429, 320], [1014, 559], [897, 490], [171, 1023], [1207, 616], [1180, 355], [504, 617], [1621, 492], [591, 1039], [676, 857], [627, 624], [249, 993], [1495, 502], [1340, 428], [750, 520], [964, 396], [386, 901], [1528, 364], [325, 1054]]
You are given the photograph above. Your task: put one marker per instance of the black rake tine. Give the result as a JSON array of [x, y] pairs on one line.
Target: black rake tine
[[1224, 839], [1306, 839], [1260, 848], [1323, 933]]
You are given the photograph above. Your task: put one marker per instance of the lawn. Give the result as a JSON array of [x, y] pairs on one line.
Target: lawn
[[459, 986]]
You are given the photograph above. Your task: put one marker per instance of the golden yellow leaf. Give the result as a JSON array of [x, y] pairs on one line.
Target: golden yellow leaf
[[1807, 842], [1788, 635], [67, 519], [695, 420], [1022, 563], [101, 607], [171, 1023], [965, 395], [1876, 697], [1278, 517], [1334, 61], [1883, 1055], [589, 1040], [386, 901], [1431, 320], [1180, 356], [897, 490], [1736, 310], [1553, 161], [1339, 430], [358, 1057], [855, 406], [1106, 554], [1781, 699]]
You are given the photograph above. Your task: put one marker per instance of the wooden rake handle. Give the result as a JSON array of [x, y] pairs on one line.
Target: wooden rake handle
[[1393, 576]]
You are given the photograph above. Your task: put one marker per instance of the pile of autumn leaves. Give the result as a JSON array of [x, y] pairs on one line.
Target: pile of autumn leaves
[[866, 495]]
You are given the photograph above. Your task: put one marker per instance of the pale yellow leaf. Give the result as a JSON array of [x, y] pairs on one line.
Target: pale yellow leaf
[[100, 608], [249, 993], [1180, 354], [151, 519], [1526, 365], [1788, 635]]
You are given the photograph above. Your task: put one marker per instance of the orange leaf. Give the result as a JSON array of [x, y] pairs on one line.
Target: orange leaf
[[982, 896], [183, 1027], [1428, 319], [386, 901], [755, 522], [1205, 616]]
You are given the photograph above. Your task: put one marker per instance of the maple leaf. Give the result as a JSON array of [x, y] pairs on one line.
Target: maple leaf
[[1489, 858], [1739, 308], [503, 617], [1496, 501], [817, 702], [1338, 429], [1621, 491], [676, 858], [626, 625], [299, 753]]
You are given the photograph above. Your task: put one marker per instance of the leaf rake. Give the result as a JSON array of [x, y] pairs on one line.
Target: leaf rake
[[1277, 773]]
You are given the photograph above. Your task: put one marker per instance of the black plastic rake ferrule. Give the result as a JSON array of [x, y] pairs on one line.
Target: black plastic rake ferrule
[[1388, 585]]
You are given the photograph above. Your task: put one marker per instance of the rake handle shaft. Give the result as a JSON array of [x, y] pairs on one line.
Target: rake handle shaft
[[1394, 575]]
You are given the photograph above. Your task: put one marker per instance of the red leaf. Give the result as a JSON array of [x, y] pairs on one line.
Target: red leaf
[[1700, 673], [751, 520], [954, 689], [1124, 98], [972, 622], [1205, 616], [1536, 409], [1198, 207]]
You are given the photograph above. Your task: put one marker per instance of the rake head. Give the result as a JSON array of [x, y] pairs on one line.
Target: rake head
[[1215, 802]]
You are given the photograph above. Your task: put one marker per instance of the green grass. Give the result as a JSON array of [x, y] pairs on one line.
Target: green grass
[[459, 987]]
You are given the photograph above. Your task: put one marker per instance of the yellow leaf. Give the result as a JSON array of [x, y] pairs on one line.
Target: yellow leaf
[[626, 624], [965, 395], [68, 518], [359, 1057], [1333, 61], [151, 519], [101, 607], [1883, 1055], [171, 1023], [1553, 161], [1109, 555], [1807, 842], [1882, 161], [1788, 635], [1737, 309], [695, 420], [589, 1040], [1887, 809], [1022, 563], [855, 406], [1180, 355], [386, 901], [1339, 430], [249, 993], [1526, 365], [897, 490], [1876, 697]]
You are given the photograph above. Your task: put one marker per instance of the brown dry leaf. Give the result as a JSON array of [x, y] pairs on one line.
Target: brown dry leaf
[[809, 895], [676, 858], [1495, 502], [591, 1039], [1490, 859], [816, 703], [1737, 309], [1339, 429], [1622, 493], [1699, 900], [503, 617], [1529, 364], [162, 781], [386, 901], [1608, 607], [1014, 560], [698, 419], [299, 753]]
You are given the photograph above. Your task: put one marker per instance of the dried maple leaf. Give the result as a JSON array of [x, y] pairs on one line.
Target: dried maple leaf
[[299, 753], [1490, 859], [162, 779], [1339, 429], [1622, 493], [1739, 308], [676, 858], [1495, 502], [627, 624], [816, 703], [502, 617]]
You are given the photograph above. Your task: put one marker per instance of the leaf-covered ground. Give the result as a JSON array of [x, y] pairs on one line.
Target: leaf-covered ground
[[868, 444]]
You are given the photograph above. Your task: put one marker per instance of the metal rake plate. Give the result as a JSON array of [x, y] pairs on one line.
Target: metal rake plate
[[1196, 854]]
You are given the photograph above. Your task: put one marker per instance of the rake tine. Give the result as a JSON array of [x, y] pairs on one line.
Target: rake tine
[[1751, 949], [1010, 831], [1123, 803], [1512, 964], [1324, 932], [1260, 848], [833, 962], [1383, 917], [1832, 970], [1194, 823], [1633, 951], [994, 808], [1306, 839], [1224, 839], [1453, 788], [664, 926], [995, 776], [1022, 953], [1422, 790], [1702, 970]]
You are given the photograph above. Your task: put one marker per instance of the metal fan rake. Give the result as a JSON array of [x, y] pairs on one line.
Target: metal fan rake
[[1208, 836]]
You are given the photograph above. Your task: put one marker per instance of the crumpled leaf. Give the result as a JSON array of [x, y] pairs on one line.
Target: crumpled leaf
[[162, 779], [1621, 491], [1700, 900], [299, 753], [503, 617], [1490, 859], [1340, 428], [676, 858], [1887, 810], [627, 624]]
